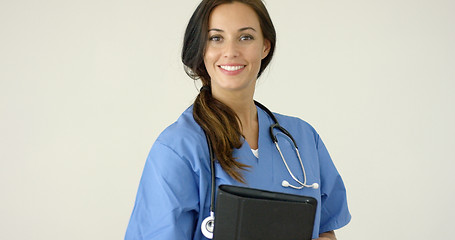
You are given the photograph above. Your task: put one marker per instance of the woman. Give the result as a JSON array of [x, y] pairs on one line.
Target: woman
[[227, 46]]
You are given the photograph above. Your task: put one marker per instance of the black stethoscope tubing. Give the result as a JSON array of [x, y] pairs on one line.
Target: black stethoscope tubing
[[274, 139], [208, 223], [212, 170], [275, 125]]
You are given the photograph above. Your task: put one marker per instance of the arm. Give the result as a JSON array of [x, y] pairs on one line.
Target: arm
[[334, 207], [330, 235], [167, 198]]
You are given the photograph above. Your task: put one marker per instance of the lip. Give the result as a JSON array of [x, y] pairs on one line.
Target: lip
[[231, 73]]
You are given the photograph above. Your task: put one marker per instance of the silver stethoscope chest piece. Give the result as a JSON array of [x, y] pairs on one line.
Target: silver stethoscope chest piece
[[208, 225]]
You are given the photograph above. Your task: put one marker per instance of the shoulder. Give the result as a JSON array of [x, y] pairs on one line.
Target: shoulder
[[185, 127], [183, 133], [295, 124]]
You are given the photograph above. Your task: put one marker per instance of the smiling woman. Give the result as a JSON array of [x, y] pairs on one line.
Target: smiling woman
[[227, 46], [234, 51]]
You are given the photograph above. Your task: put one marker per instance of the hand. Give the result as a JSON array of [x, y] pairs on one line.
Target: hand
[[327, 236]]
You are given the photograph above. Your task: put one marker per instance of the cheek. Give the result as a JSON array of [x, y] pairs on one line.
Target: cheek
[[210, 57], [257, 51], [255, 56], [209, 62]]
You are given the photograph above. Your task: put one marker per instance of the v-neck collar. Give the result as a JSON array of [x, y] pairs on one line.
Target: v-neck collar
[[264, 140], [260, 173], [261, 168]]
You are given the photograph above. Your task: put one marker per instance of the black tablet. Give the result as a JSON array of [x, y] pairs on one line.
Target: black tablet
[[249, 214]]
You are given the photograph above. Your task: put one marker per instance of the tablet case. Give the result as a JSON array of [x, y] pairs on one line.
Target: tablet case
[[249, 214]]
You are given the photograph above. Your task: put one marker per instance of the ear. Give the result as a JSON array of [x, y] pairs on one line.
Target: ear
[[266, 48]]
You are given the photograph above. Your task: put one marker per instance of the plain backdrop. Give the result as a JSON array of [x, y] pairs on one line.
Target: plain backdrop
[[87, 86]]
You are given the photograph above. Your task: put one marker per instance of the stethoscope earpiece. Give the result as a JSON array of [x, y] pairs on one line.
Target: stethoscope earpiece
[[285, 183]]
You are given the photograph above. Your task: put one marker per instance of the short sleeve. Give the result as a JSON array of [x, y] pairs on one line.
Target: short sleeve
[[334, 207], [167, 202]]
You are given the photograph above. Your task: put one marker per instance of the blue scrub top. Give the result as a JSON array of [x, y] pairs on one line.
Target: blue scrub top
[[174, 192]]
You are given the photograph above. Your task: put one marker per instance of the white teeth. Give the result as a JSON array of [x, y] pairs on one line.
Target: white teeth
[[231, 68]]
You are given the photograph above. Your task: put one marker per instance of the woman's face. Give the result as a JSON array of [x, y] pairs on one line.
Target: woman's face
[[234, 49]]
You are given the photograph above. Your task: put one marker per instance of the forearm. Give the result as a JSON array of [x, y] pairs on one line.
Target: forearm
[[330, 235]]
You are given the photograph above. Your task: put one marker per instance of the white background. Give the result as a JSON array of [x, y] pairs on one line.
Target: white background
[[87, 86]]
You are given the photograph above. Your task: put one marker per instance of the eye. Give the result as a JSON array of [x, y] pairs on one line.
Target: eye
[[246, 37], [215, 38]]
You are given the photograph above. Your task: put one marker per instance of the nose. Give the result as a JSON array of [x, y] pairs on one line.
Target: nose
[[231, 49]]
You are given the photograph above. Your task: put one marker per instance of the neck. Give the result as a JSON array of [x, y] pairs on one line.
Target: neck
[[243, 105]]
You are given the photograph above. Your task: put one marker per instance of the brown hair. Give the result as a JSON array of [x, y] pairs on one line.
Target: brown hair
[[219, 122]]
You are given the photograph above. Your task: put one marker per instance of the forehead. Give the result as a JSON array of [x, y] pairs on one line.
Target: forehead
[[233, 16]]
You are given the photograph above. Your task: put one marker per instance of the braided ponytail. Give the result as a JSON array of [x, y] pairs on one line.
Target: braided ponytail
[[222, 127]]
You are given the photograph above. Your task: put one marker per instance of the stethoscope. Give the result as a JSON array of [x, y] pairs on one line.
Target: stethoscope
[[208, 224]]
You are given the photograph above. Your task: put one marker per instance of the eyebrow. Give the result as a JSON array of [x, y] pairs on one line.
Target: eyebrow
[[240, 30]]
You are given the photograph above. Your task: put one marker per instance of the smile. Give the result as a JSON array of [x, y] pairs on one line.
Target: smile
[[232, 68]]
